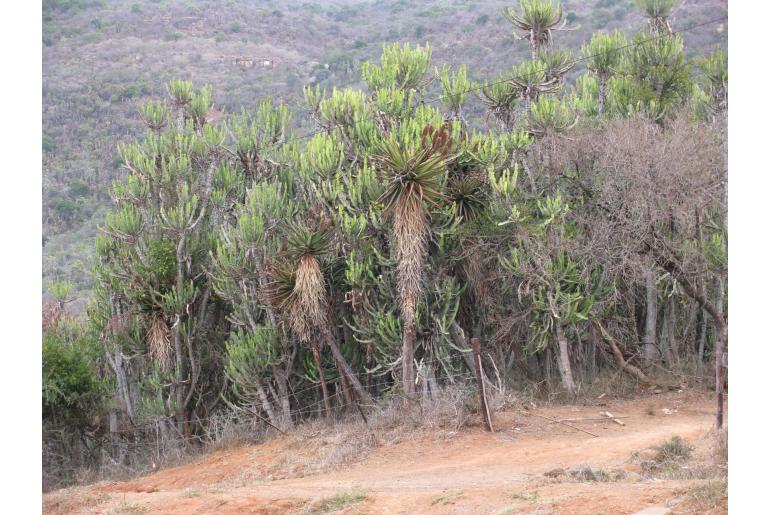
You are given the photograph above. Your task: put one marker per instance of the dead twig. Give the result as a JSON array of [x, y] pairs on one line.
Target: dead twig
[[562, 423]]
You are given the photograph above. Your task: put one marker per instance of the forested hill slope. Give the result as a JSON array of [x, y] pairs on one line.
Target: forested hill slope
[[102, 59]]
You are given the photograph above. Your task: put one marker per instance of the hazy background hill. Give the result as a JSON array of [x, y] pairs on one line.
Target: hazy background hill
[[102, 59]]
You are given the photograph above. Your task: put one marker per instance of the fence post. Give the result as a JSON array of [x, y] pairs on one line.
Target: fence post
[[482, 386]]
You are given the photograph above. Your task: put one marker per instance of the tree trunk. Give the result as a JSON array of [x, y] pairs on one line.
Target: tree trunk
[[267, 406], [619, 360], [114, 437], [720, 324], [689, 335], [281, 383], [458, 336], [407, 360], [673, 344], [322, 379], [721, 339], [602, 94], [650, 350], [344, 368], [702, 329], [562, 360], [593, 343]]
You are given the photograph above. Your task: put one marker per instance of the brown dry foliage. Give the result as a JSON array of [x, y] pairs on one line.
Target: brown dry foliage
[[410, 232], [643, 183], [159, 342], [309, 288]]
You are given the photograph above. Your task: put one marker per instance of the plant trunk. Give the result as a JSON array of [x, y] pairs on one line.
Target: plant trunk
[[673, 344], [345, 370], [562, 360], [593, 343], [619, 360], [702, 330], [281, 382], [720, 324], [650, 350], [721, 339], [114, 436], [407, 360], [267, 406], [602, 95], [322, 379]]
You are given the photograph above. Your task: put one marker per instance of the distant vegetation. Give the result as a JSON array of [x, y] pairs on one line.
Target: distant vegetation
[[102, 59]]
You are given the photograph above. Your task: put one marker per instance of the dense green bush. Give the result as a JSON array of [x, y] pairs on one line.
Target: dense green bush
[[72, 390]]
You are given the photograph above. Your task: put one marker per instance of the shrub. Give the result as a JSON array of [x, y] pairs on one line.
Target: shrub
[[66, 210], [674, 449], [48, 143], [71, 390], [78, 189]]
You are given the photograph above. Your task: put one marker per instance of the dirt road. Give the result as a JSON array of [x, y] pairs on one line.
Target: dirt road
[[517, 469]]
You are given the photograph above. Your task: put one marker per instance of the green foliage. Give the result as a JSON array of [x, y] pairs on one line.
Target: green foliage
[[557, 63], [454, 87], [155, 114], [468, 198], [72, 392], [301, 241], [604, 53], [410, 175], [48, 143], [657, 76], [536, 19], [714, 70], [60, 291], [549, 115], [585, 98], [657, 8], [249, 358], [401, 67], [561, 298]]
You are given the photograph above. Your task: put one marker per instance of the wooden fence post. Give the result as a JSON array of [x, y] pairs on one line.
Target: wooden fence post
[[482, 386]]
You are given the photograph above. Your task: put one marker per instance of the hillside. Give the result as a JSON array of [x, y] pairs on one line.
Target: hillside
[[102, 59]]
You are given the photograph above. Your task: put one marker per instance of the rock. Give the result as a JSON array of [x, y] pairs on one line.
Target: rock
[[555, 473], [582, 474]]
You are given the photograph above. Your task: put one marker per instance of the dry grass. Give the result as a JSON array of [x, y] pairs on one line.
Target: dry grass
[[72, 500], [336, 502], [677, 459], [587, 474], [126, 508], [320, 445], [705, 495], [674, 449], [446, 499], [719, 448]]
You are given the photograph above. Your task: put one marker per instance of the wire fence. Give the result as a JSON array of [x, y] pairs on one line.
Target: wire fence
[[308, 409]]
